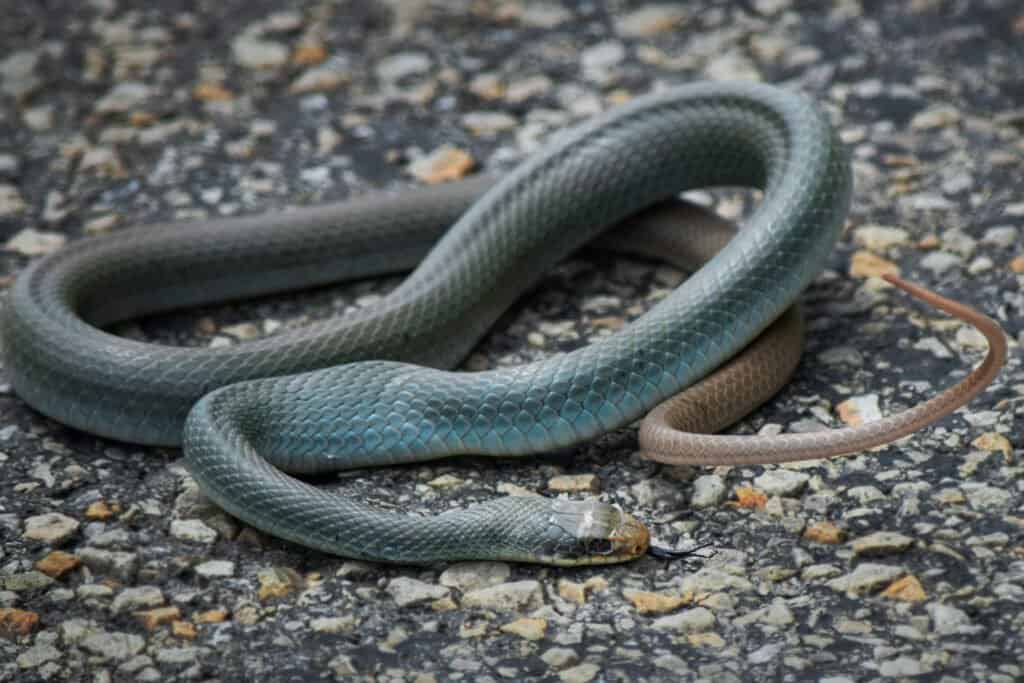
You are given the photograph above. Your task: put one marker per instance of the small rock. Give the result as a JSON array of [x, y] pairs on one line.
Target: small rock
[[543, 15], [193, 530], [154, 618], [750, 498], [39, 119], [577, 592], [1004, 236], [865, 264], [859, 410], [581, 673], [407, 592], [17, 622], [344, 624], [824, 532], [559, 657], [101, 510], [529, 629], [708, 491], [37, 655], [650, 20], [782, 482], [523, 89], [900, 667], [177, 655], [937, 117], [466, 576], [253, 53], [121, 565], [215, 568], [11, 204], [489, 122], [693, 620], [327, 76], [58, 563], [866, 578], [137, 598], [994, 441], [647, 602], [575, 483], [881, 543], [443, 164], [940, 261], [103, 161], [602, 56], [983, 497], [397, 67], [445, 481], [277, 582], [212, 92], [26, 581], [113, 645], [907, 589], [946, 619], [31, 242], [505, 596], [51, 527], [123, 98], [732, 66], [865, 494], [213, 616]]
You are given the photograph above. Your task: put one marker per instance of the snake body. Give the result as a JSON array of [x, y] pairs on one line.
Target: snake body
[[372, 388]]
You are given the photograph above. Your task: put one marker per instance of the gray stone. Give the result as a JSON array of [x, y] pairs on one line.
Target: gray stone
[[940, 261], [867, 578], [120, 565], [254, 53], [782, 482], [650, 20], [27, 581], [694, 620], [947, 619], [983, 497], [581, 673], [52, 527], [505, 596], [215, 569], [193, 530], [113, 645], [177, 655], [712, 580], [123, 98], [466, 576], [880, 543], [28, 242], [407, 592], [397, 67], [138, 598], [343, 624], [560, 657], [37, 656], [708, 491]]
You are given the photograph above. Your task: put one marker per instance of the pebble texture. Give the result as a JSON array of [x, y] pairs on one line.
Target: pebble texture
[[908, 561]]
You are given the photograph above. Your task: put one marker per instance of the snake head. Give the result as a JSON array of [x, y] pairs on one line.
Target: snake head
[[591, 533]]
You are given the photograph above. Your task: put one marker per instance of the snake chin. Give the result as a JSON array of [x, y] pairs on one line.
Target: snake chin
[[593, 533]]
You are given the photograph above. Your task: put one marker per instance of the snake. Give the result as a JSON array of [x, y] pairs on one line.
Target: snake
[[375, 386]]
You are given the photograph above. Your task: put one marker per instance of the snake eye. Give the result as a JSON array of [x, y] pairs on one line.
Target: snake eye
[[600, 546]]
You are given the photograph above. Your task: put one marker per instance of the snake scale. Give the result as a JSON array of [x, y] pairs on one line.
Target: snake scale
[[374, 388]]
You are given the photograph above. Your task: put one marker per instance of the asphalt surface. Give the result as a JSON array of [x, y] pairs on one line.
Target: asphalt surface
[[905, 562]]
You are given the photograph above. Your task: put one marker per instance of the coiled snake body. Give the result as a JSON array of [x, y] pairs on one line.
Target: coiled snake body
[[371, 388]]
